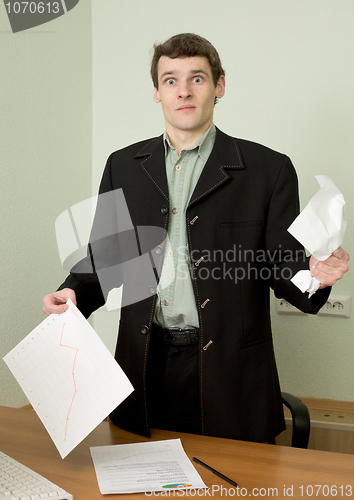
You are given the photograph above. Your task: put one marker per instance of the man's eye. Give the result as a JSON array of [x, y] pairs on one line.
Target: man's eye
[[197, 79], [170, 81]]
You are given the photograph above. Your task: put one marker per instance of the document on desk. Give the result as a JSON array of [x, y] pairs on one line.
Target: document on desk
[[144, 467], [69, 377]]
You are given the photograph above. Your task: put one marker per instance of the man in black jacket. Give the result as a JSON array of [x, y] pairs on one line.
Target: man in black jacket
[[198, 346]]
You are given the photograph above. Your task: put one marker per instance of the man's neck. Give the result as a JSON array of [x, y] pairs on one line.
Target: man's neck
[[182, 139]]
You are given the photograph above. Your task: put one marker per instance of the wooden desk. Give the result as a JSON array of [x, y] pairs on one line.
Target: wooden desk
[[265, 467]]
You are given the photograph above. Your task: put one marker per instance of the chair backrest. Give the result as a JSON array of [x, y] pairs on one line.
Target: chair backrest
[[301, 420]]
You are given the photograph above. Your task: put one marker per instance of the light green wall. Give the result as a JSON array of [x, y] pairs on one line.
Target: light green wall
[[45, 164], [289, 85]]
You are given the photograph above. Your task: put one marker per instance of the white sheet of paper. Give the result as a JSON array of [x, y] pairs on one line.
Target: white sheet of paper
[[144, 467], [320, 227], [69, 377]]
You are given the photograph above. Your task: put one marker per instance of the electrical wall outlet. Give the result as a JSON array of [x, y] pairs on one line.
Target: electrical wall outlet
[[284, 307], [336, 305]]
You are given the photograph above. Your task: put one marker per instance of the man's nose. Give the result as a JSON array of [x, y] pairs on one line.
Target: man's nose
[[184, 90]]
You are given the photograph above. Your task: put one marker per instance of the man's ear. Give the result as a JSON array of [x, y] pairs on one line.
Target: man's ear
[[156, 95], [220, 87]]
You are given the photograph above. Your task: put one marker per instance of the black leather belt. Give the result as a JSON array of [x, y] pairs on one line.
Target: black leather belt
[[177, 336]]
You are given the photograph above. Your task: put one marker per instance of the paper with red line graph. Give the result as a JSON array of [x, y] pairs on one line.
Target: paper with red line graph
[[69, 377]]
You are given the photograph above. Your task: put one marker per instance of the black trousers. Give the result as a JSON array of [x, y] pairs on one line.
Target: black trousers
[[173, 386]]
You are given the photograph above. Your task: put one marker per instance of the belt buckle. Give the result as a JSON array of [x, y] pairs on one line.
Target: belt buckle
[[171, 332], [181, 337], [168, 335]]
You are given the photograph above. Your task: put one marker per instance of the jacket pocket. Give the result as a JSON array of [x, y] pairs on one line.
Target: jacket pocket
[[232, 225], [256, 343]]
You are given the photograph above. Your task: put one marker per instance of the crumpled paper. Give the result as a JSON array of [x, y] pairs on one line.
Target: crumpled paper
[[320, 228]]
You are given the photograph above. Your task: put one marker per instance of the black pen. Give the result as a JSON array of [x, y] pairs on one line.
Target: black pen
[[215, 472]]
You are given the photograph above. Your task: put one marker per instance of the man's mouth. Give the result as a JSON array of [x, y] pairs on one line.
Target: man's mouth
[[186, 107]]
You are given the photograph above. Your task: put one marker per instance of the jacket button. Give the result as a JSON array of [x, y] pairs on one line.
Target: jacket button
[[145, 330], [164, 210], [152, 290], [158, 249]]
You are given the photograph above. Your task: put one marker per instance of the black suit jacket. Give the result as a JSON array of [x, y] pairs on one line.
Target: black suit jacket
[[237, 220]]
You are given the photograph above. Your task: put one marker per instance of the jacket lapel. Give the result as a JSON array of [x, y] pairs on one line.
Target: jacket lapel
[[225, 154], [152, 158]]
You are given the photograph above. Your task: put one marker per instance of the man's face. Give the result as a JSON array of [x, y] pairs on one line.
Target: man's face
[[187, 93]]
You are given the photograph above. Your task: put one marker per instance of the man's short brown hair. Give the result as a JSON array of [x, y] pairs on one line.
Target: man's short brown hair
[[187, 45]]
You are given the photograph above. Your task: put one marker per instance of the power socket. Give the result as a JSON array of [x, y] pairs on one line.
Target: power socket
[[284, 307], [336, 305]]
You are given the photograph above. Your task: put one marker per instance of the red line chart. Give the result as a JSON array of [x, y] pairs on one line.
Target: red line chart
[[73, 375]]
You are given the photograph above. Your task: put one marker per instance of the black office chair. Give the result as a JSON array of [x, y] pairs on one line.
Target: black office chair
[[301, 420]]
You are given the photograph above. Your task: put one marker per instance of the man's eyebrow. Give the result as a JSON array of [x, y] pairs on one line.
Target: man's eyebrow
[[166, 73], [195, 71]]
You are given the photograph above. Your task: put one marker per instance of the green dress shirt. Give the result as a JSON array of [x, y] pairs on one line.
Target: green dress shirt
[[175, 306]]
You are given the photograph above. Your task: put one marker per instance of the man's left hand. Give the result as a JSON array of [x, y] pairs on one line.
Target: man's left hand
[[330, 270]]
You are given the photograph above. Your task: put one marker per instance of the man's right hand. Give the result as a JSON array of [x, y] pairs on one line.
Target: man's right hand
[[56, 303]]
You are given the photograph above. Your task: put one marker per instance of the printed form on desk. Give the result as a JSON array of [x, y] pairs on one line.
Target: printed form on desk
[[144, 467]]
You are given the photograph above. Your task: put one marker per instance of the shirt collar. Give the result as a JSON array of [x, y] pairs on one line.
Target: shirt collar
[[204, 144]]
